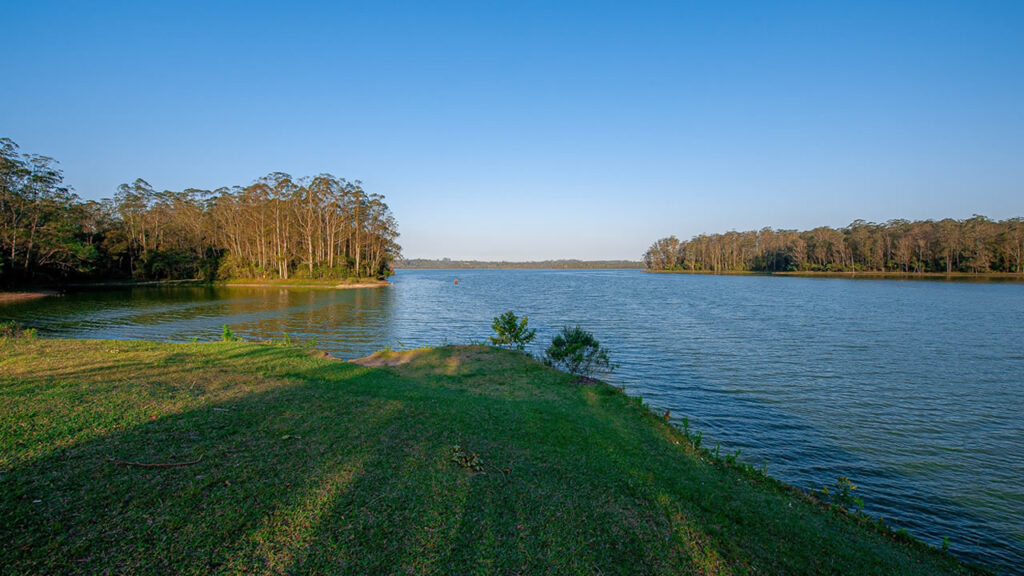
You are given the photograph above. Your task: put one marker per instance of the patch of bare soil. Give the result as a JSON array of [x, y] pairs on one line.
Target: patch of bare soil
[[7, 297], [460, 354], [388, 358], [362, 285], [323, 286], [470, 352]]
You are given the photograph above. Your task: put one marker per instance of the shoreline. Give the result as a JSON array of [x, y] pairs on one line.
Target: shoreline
[[324, 286], [248, 283], [12, 297]]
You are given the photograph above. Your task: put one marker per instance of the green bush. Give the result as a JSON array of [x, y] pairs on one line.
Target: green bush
[[16, 330], [511, 331], [841, 495], [577, 351]]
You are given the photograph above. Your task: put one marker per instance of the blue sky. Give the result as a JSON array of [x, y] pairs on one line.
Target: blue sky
[[533, 130]]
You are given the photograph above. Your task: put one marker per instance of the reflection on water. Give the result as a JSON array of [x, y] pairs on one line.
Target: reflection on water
[[913, 389], [348, 323]]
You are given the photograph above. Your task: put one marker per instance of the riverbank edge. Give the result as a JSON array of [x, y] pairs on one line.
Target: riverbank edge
[[650, 423], [873, 275], [324, 285], [242, 283], [12, 297]]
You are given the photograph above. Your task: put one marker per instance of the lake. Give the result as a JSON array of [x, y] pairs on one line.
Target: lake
[[913, 389]]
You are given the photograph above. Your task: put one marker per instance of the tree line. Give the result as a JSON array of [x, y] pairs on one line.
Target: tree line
[[974, 245], [277, 227]]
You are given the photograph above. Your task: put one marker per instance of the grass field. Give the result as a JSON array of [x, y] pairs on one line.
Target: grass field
[[146, 458]]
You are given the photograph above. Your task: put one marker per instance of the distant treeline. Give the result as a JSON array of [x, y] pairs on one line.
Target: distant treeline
[[422, 263], [975, 245], [276, 227]]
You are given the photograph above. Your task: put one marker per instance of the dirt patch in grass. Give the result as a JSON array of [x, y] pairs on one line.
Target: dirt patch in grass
[[456, 356], [362, 283], [389, 358], [470, 352]]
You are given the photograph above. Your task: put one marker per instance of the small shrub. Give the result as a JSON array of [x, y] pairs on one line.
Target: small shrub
[[511, 331], [287, 341], [16, 330], [577, 351], [467, 460], [842, 495], [228, 335]]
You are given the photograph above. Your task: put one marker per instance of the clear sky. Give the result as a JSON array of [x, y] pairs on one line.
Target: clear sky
[[533, 130]]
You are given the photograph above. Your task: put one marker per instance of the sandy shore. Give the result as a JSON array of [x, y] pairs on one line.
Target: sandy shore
[[8, 297], [322, 286]]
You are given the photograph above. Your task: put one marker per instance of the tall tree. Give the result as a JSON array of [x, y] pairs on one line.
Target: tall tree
[[977, 245]]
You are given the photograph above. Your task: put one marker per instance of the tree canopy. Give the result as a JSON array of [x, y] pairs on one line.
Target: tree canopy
[[973, 245], [276, 227]]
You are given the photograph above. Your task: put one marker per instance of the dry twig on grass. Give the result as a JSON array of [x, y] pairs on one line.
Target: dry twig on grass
[[153, 464]]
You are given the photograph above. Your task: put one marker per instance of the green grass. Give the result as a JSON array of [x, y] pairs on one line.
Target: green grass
[[311, 465]]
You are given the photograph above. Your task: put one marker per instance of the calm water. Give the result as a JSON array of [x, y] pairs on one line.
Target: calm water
[[915, 390]]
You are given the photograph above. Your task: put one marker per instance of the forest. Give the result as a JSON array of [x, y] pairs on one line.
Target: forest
[[975, 245], [277, 227]]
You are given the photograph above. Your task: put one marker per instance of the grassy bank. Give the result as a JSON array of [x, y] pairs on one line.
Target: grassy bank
[[136, 457]]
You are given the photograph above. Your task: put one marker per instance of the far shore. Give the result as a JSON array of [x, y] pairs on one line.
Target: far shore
[[876, 274]]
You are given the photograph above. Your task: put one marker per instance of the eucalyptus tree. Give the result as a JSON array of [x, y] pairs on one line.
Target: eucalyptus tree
[[664, 254], [133, 202], [380, 234], [40, 218], [977, 245], [310, 215], [276, 227], [1013, 245]]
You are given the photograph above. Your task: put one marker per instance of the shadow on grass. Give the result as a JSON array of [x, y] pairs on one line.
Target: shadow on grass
[[316, 466], [264, 455], [329, 468]]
